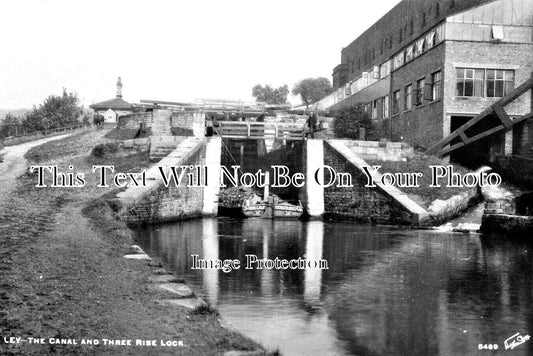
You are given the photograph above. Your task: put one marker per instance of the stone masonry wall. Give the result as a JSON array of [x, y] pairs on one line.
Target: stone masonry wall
[[359, 202], [523, 139], [187, 123], [134, 120], [157, 203]]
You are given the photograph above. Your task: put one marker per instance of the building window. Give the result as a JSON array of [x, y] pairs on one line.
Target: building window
[[400, 37], [384, 69], [375, 72], [437, 10], [408, 97], [469, 82], [386, 107], [419, 94], [374, 109], [490, 83], [452, 4], [412, 27], [499, 82], [409, 53], [396, 102], [431, 39], [436, 91], [399, 60], [420, 47], [423, 19], [496, 33]]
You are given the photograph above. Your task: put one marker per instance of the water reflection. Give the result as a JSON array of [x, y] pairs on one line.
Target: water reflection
[[387, 291]]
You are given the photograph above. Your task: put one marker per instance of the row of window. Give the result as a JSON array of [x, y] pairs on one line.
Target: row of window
[[387, 42], [488, 83], [470, 82], [421, 45], [413, 95], [421, 92], [372, 107]]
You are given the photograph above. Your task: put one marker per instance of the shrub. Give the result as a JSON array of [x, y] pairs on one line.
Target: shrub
[[350, 120], [104, 149]]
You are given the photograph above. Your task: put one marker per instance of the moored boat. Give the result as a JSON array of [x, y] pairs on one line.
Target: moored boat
[[271, 208]]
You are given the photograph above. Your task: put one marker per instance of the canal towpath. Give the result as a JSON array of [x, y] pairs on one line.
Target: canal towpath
[[63, 277]]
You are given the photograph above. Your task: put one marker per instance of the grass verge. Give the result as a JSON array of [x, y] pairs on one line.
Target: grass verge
[[62, 254], [424, 195]]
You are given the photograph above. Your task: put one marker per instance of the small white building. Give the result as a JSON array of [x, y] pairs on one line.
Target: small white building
[[113, 108]]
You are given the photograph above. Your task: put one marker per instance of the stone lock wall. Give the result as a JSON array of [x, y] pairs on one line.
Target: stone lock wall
[[157, 203], [134, 120], [187, 123], [360, 202]]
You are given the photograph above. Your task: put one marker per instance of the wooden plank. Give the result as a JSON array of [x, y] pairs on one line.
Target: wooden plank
[[487, 133], [259, 130], [517, 92], [299, 138], [463, 136], [484, 134], [451, 149], [436, 147], [502, 115]]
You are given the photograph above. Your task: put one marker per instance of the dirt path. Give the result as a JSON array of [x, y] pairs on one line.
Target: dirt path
[[61, 277], [14, 164]]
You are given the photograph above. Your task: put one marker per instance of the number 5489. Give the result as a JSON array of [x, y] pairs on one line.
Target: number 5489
[[487, 346]]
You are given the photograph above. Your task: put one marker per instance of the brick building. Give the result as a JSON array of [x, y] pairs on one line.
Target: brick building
[[428, 66]]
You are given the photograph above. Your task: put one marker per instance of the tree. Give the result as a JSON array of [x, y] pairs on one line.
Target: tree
[[312, 89], [270, 95], [9, 125], [54, 112], [350, 120]]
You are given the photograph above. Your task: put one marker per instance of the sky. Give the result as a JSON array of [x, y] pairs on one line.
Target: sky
[[171, 50]]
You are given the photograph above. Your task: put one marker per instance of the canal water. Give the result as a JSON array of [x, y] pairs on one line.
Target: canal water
[[388, 291]]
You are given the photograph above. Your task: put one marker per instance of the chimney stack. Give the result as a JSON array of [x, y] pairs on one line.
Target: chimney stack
[[119, 88]]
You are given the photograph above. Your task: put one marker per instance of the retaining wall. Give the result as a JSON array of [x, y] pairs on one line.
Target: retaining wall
[[500, 216], [382, 204], [156, 203]]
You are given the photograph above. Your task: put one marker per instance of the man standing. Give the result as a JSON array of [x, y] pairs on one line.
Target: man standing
[[311, 124]]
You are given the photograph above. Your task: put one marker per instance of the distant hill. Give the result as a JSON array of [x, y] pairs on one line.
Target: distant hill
[[16, 112]]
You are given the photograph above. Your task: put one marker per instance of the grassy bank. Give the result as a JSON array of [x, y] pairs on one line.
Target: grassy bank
[[424, 195], [63, 274]]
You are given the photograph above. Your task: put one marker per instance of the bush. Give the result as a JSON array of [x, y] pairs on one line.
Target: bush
[[104, 149], [350, 120], [56, 111]]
